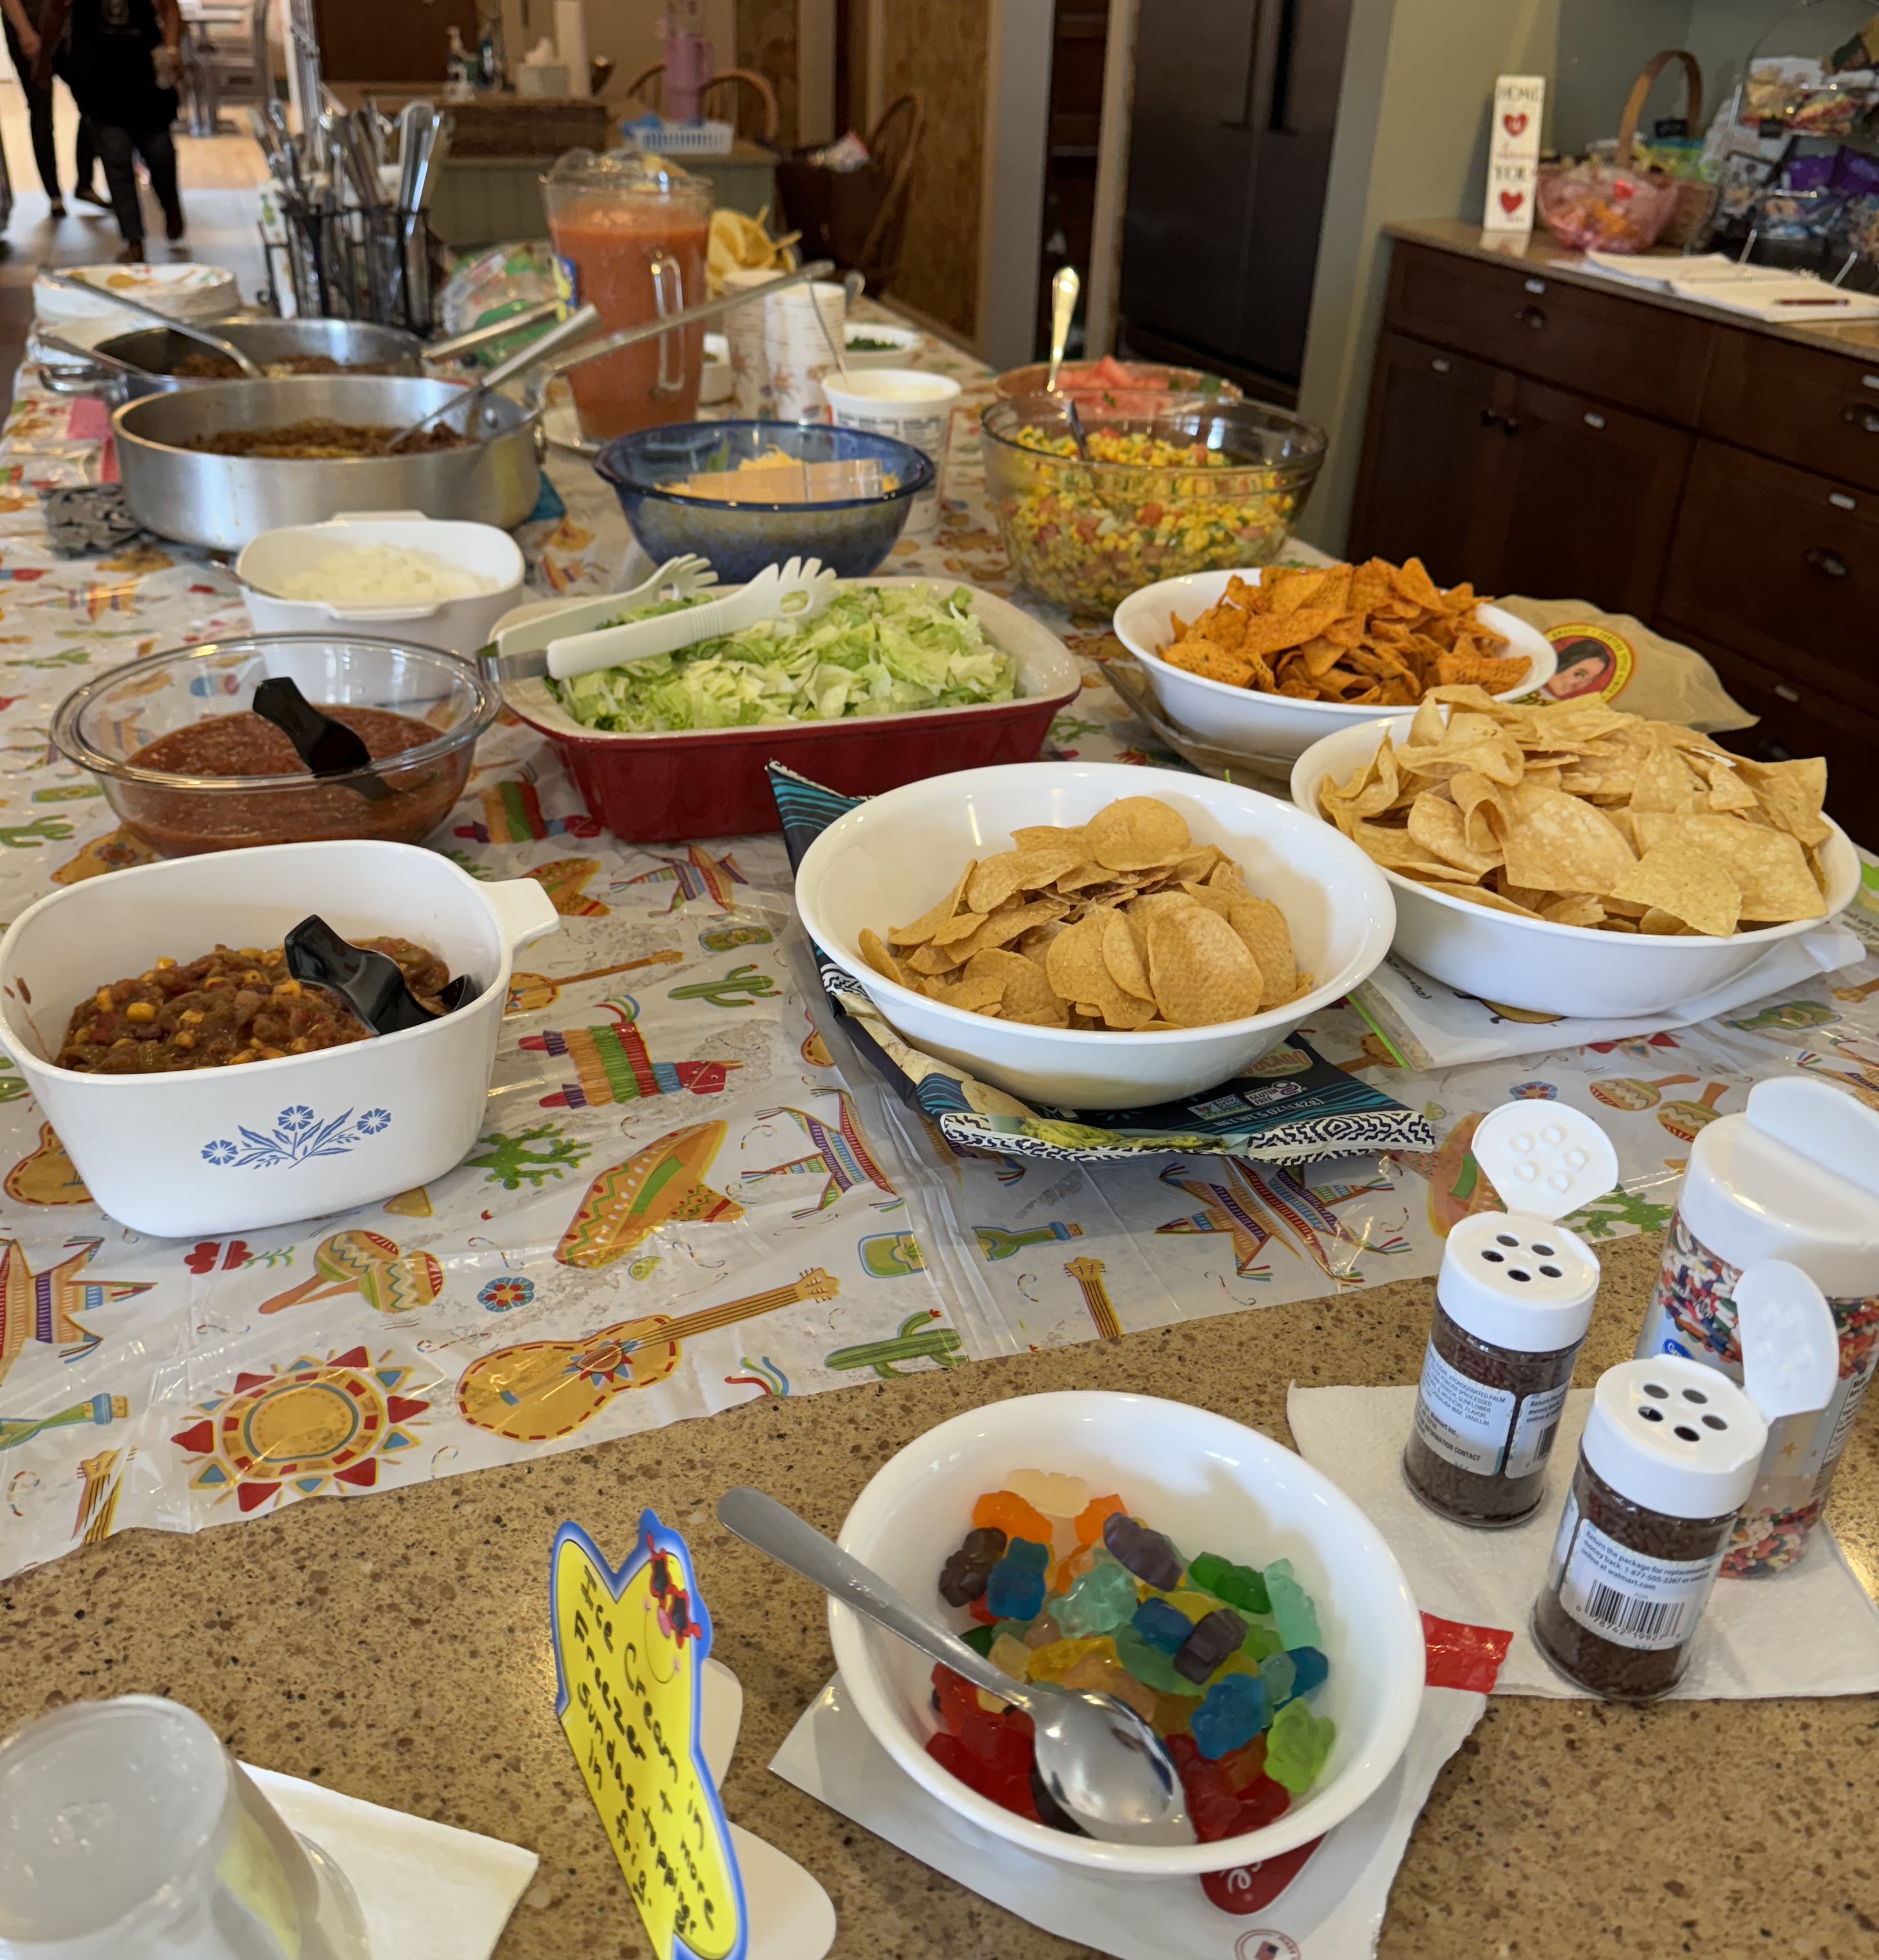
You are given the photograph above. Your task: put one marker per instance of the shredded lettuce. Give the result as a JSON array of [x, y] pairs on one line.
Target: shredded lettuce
[[875, 650]]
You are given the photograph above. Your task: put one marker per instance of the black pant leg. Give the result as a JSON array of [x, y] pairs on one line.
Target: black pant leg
[[38, 111], [115, 149], [159, 153], [84, 155]]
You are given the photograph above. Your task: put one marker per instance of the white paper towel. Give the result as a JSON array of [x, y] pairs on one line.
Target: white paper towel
[[428, 1890], [1810, 1630], [1332, 1910]]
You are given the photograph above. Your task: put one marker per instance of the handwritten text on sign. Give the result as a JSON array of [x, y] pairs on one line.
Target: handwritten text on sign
[[629, 1648]]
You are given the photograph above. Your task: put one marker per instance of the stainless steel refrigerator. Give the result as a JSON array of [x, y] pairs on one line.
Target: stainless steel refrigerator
[[1235, 105]]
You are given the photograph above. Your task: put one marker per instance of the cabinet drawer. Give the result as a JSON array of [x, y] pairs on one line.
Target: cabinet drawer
[[1626, 351], [1780, 565], [1802, 721], [1818, 409]]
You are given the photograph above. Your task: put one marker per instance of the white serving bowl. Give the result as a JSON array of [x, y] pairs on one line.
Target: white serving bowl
[[1270, 727], [1537, 965], [908, 342], [1212, 1485], [184, 290], [889, 859], [716, 382], [454, 626], [214, 1151]]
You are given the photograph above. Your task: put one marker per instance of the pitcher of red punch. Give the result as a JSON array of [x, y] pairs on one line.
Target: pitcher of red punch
[[631, 233]]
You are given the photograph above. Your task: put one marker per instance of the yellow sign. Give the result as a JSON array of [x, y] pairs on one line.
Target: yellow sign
[[629, 1650]]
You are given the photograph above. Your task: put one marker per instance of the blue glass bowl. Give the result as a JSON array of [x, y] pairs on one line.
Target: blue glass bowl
[[851, 536]]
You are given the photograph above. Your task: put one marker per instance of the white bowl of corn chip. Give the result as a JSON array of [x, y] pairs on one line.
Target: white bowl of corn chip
[[1157, 953], [1226, 697], [1573, 860]]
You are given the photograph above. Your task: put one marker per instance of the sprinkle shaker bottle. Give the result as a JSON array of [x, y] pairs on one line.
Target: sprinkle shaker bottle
[[1671, 1450], [1513, 1300], [1795, 1176]]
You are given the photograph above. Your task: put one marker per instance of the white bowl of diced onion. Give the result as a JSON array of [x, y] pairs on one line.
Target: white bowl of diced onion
[[390, 574]]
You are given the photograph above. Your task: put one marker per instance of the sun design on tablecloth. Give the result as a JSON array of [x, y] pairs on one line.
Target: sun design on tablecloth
[[309, 1425]]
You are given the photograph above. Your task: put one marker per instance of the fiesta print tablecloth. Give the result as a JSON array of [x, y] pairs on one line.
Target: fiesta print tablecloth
[[811, 1232]]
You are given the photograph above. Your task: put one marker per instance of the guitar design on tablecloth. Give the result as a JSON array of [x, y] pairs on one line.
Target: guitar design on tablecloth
[[538, 1390], [1088, 1274]]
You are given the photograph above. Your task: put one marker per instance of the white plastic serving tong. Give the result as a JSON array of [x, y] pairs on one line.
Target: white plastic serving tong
[[519, 653], [794, 593]]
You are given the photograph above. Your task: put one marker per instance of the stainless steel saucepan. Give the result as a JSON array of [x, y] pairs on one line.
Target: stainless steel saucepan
[[200, 497]]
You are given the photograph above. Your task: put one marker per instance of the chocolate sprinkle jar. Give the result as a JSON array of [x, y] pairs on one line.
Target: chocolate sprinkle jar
[[1669, 1452], [1513, 1301]]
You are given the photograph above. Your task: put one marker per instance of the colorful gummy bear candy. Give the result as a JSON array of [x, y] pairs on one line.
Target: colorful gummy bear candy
[[1066, 1587]]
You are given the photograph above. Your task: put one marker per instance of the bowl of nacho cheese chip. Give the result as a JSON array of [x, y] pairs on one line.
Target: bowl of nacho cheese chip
[[1092, 936], [1268, 660], [1570, 859]]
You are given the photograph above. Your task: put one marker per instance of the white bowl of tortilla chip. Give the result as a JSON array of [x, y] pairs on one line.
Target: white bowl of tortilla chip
[[1485, 946], [1270, 727], [888, 861]]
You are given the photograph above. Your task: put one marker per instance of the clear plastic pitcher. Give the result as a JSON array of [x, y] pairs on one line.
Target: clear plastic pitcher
[[128, 1832], [631, 232]]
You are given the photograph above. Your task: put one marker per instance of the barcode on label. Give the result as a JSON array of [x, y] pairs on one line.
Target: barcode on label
[[1545, 1443], [1625, 1613]]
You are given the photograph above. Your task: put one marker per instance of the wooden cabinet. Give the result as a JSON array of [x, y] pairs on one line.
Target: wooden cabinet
[[1719, 482], [1490, 475]]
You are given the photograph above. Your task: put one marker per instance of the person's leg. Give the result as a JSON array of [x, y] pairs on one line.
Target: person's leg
[[159, 153], [115, 150], [84, 157], [38, 111]]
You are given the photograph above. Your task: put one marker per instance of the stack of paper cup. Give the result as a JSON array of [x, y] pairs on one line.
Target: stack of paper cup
[[744, 330], [801, 349], [912, 406]]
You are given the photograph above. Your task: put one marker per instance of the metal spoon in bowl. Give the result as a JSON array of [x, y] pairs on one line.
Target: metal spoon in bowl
[[1102, 1765], [1064, 287], [251, 369]]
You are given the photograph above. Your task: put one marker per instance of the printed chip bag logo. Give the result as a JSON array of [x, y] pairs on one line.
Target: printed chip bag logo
[[629, 1648]]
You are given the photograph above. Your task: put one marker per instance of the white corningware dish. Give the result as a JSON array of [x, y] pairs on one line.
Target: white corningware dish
[[205, 1152], [890, 859], [452, 625], [1538, 965], [1212, 1485], [1270, 728]]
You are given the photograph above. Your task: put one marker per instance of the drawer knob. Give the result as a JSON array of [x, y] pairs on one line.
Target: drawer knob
[[1860, 416], [1594, 419], [1489, 417], [1786, 692], [1530, 315], [1818, 558], [1440, 365]]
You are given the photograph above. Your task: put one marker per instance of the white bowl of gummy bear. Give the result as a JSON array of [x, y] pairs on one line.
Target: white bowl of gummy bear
[[1194, 1568]]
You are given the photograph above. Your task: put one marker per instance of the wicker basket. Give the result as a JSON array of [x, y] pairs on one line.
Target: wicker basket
[[1694, 217]]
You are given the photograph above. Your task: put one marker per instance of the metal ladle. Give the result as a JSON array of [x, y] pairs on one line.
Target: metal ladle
[[576, 327], [1102, 1765], [250, 368]]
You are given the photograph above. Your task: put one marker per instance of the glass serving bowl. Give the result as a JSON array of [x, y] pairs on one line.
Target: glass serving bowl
[[1195, 488], [400, 799], [1148, 387], [851, 535]]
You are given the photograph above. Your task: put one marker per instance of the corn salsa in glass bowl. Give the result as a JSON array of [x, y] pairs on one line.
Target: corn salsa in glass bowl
[[1200, 486]]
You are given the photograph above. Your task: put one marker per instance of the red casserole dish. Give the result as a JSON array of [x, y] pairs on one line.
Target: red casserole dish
[[709, 782]]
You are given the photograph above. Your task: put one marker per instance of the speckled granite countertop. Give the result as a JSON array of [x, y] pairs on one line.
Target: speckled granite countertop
[[396, 1646]]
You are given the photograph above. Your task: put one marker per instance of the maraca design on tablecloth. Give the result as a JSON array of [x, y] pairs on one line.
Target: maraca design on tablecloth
[[1683, 1119], [611, 1063], [541, 1389], [1457, 1189], [1627, 1092], [1792, 1016], [529, 993], [371, 1265], [40, 1306], [841, 1153], [308, 1424], [662, 1183]]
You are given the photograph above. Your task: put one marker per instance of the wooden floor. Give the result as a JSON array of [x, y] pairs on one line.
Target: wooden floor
[[219, 177]]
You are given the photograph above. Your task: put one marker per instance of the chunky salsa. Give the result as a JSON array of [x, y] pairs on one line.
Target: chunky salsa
[[178, 820], [230, 1006]]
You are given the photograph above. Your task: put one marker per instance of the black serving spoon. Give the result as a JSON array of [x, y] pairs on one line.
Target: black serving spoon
[[371, 984], [328, 747]]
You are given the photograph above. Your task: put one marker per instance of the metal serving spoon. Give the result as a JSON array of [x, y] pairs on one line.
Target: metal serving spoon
[[1100, 1762], [251, 369], [1064, 287]]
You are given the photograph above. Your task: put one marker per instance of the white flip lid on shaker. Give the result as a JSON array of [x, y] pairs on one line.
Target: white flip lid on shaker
[[1677, 1437], [1518, 1279], [1795, 1176]]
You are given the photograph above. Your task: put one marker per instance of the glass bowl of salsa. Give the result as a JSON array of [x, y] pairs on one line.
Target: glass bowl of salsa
[[188, 766]]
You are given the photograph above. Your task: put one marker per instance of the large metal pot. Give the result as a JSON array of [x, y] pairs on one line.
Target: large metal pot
[[223, 502]]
